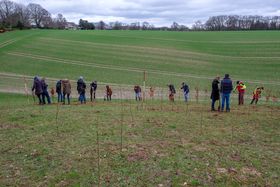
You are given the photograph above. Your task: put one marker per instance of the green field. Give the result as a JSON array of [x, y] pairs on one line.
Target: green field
[[168, 57], [129, 143], [154, 144]]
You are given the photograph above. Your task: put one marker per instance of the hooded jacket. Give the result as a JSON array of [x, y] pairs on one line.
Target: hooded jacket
[[37, 86]]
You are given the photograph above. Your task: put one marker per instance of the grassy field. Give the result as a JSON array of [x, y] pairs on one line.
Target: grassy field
[[125, 143], [152, 144], [122, 56]]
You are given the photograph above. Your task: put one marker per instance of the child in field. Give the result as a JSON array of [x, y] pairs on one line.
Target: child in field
[[240, 87], [93, 87], [137, 90], [172, 92], [257, 94], [108, 93]]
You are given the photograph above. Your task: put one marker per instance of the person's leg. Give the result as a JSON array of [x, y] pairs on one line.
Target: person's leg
[[63, 98], [39, 97], [94, 94], [239, 98], [68, 98], [186, 96], [223, 101], [44, 98], [213, 104], [252, 101], [257, 99], [85, 99], [48, 97], [227, 102], [58, 97], [80, 97], [242, 98]]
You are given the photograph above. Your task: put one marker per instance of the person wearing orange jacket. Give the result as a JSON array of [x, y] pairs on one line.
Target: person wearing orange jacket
[[240, 87]]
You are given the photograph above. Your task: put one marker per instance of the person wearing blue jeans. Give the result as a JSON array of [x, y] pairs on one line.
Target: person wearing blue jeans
[[81, 88], [45, 91], [226, 88], [186, 91]]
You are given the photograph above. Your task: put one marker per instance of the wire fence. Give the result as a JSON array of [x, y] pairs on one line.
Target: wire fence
[[13, 83]]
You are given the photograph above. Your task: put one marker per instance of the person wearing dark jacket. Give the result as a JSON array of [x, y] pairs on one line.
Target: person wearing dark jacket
[[38, 88], [215, 94], [45, 91], [137, 90], [186, 91], [81, 88], [93, 87], [226, 88], [58, 91]]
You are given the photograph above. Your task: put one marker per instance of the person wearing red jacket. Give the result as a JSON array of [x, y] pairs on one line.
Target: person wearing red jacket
[[240, 87]]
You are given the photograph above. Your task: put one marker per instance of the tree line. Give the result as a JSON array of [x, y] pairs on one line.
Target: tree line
[[15, 15], [236, 22]]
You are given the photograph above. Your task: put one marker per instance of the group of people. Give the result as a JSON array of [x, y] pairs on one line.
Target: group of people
[[63, 90], [225, 88]]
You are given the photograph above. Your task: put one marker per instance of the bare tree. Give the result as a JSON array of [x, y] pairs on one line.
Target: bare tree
[[198, 26], [7, 10], [23, 15], [60, 21], [39, 16]]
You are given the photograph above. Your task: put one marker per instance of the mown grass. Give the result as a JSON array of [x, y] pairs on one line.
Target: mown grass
[[168, 57], [162, 144]]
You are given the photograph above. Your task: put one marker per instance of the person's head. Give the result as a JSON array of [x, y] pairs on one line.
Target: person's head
[[227, 76], [262, 88], [95, 82], [81, 77], [217, 77], [36, 77], [43, 78], [107, 86], [183, 83], [237, 82]]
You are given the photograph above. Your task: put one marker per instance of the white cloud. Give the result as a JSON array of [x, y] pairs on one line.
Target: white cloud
[[157, 12]]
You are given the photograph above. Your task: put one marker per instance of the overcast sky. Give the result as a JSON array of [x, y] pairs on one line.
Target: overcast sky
[[157, 12]]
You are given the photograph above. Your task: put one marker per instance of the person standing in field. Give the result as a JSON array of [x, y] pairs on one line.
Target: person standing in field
[[93, 87], [108, 93], [257, 94], [58, 91], [38, 88], [226, 88], [215, 94], [186, 91], [240, 87], [45, 91], [137, 90], [172, 92], [66, 89], [81, 88]]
